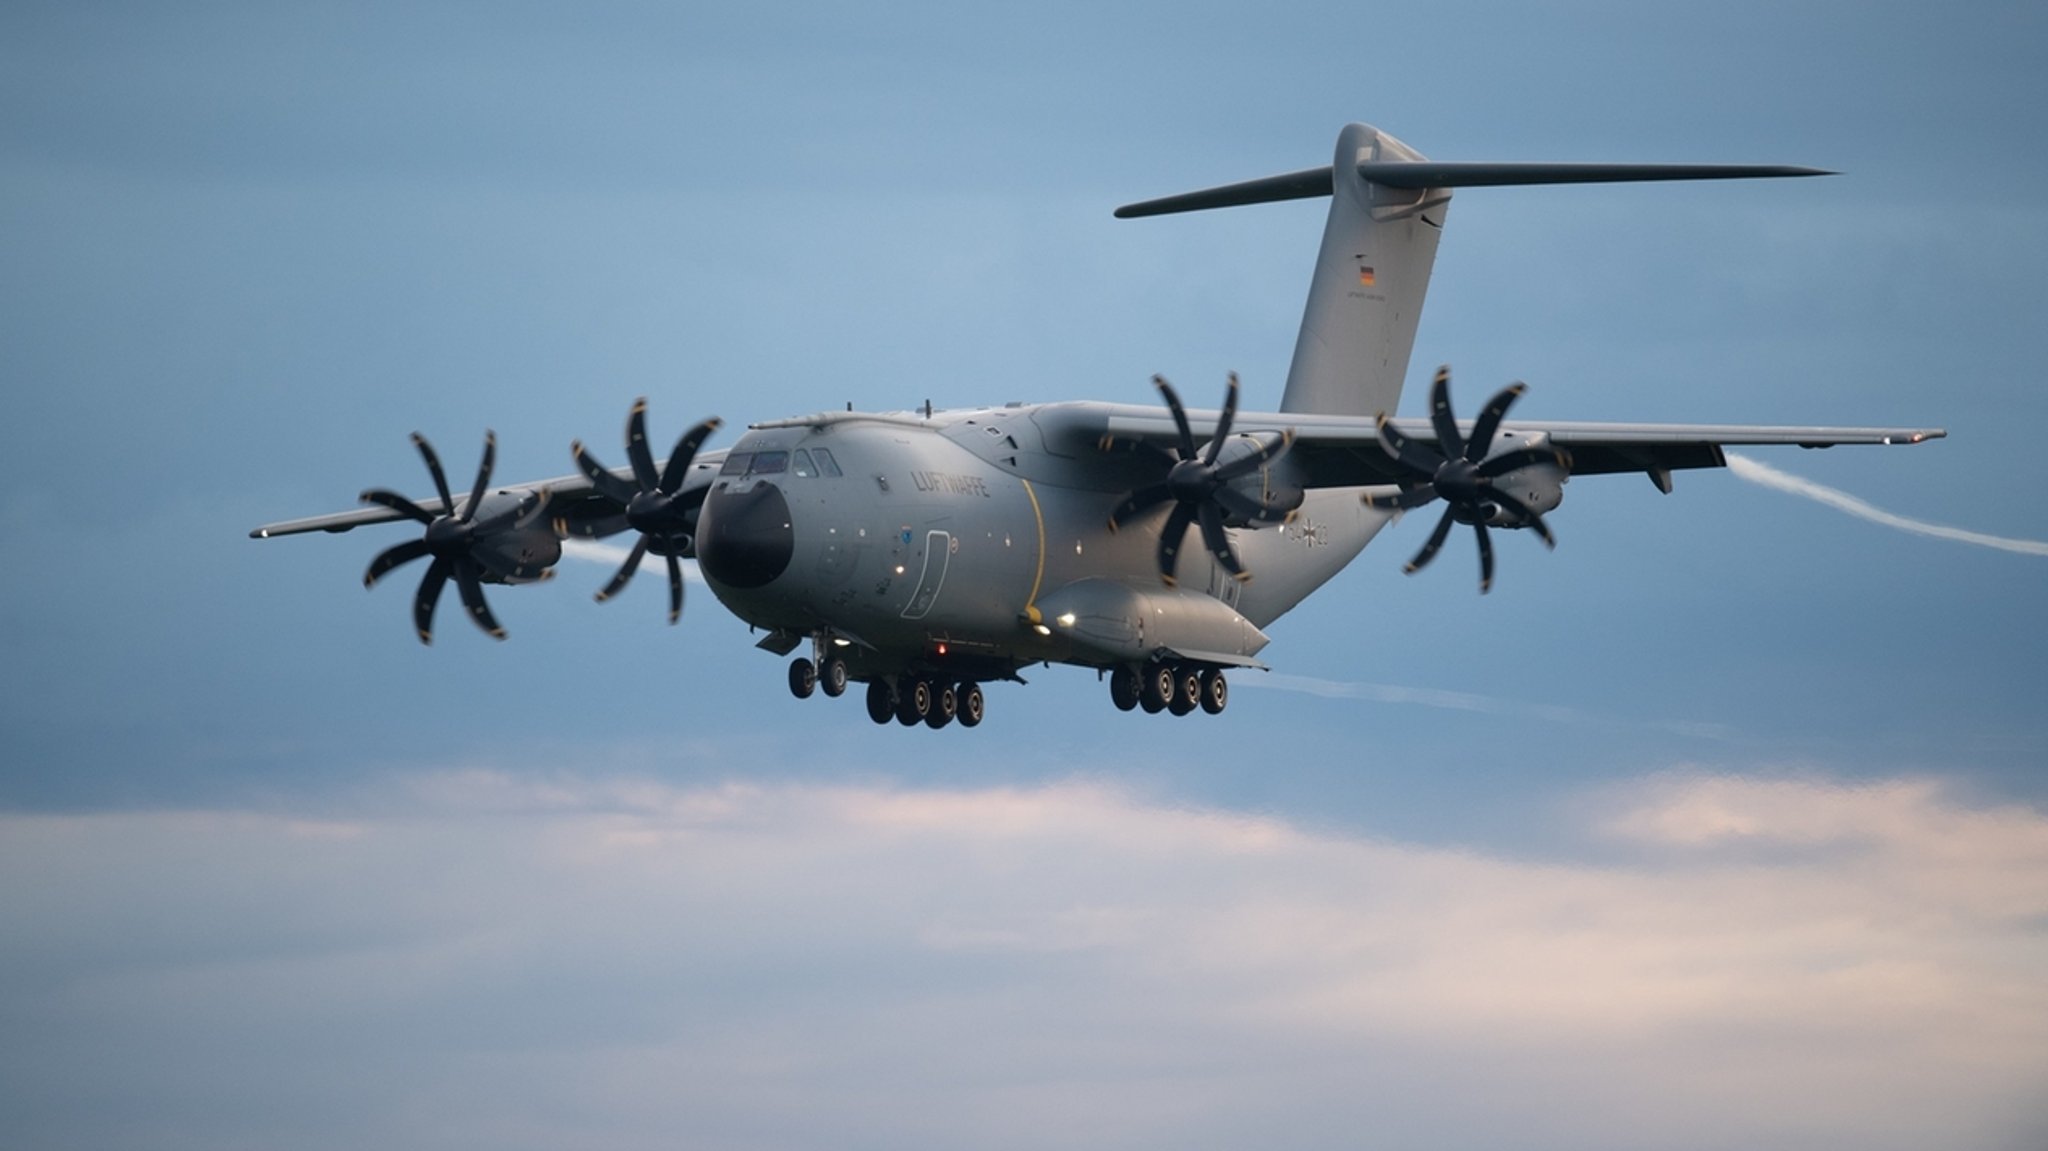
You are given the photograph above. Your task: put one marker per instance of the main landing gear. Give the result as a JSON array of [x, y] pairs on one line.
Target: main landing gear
[[1170, 687], [908, 700]]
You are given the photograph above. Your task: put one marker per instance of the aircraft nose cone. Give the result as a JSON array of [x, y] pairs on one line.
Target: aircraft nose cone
[[744, 538]]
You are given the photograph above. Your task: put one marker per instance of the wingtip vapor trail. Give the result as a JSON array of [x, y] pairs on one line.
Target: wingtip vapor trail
[[1764, 475]]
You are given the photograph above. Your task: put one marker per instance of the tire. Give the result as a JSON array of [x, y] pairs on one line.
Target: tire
[[972, 705], [1187, 692], [881, 701], [945, 705], [914, 703], [1215, 691], [1155, 688], [832, 677], [803, 678], [1123, 687]]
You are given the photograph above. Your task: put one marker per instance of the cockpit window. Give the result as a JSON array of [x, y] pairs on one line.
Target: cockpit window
[[827, 466], [769, 463], [736, 463], [801, 464]]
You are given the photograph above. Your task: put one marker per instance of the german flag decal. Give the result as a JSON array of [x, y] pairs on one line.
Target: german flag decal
[[1365, 275]]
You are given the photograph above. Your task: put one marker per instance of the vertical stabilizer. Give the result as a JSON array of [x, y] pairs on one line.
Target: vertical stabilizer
[[1371, 275]]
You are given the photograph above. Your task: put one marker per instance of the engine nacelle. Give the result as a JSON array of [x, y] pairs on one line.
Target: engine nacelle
[[1540, 486], [524, 549], [1269, 485]]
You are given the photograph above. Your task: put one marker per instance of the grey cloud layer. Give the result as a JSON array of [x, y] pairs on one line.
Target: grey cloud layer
[[626, 964]]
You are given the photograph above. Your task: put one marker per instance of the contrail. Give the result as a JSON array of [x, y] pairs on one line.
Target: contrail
[[1770, 477], [612, 555], [1388, 693]]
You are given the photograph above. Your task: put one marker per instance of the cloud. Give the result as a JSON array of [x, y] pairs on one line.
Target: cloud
[[1765, 475], [612, 962]]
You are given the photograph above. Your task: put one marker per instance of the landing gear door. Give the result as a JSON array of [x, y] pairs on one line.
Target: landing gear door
[[938, 553]]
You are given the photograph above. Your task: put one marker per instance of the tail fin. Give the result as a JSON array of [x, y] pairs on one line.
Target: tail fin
[[1387, 210]]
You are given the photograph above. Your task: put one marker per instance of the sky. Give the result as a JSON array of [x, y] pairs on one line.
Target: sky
[[1724, 823]]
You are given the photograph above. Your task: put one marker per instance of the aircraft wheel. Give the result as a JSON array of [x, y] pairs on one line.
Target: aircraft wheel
[[1123, 687], [914, 703], [1157, 688], [832, 676], [803, 678], [881, 701], [945, 705], [972, 706], [1187, 691], [1215, 691]]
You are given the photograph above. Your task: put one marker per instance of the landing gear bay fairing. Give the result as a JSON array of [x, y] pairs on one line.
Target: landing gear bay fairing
[[922, 555]]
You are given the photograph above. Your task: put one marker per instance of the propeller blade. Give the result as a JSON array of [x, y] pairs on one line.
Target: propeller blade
[[1489, 421], [1413, 456], [391, 557], [1266, 453], [678, 468], [1401, 501], [636, 447], [675, 588], [1218, 543], [1180, 416], [1436, 542], [397, 503], [1242, 506], [483, 477], [1440, 416], [472, 592], [434, 469], [625, 572], [429, 594], [1142, 500], [1223, 421], [1171, 538], [1506, 462], [1485, 558], [610, 486]]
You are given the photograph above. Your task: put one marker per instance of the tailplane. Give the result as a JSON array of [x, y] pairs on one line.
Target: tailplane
[[1387, 210]]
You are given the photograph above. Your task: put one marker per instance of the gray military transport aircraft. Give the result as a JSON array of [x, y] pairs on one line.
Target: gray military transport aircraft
[[926, 553]]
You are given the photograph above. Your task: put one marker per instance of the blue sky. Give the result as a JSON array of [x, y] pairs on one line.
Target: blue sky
[[1724, 822]]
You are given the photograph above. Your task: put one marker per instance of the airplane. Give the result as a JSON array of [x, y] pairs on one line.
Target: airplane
[[923, 554]]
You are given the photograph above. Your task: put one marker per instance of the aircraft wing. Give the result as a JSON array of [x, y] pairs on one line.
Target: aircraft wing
[[1345, 451], [573, 500]]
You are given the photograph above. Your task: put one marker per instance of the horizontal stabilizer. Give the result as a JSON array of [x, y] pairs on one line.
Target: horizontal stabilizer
[[1314, 182]]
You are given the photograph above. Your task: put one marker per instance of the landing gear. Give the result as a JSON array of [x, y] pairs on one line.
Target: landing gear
[[901, 699], [1176, 688], [914, 703], [1157, 688], [881, 701], [832, 676], [1123, 687], [945, 705]]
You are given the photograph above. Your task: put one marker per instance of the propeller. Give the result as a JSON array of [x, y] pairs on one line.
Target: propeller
[[1460, 472], [654, 504], [1199, 487], [451, 539]]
